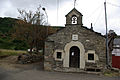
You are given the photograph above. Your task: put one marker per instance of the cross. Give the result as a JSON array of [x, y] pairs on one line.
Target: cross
[[74, 3]]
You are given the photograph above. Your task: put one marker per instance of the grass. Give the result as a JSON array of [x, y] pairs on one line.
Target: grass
[[111, 73], [4, 52]]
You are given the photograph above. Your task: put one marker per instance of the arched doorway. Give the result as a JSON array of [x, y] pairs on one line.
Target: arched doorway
[[74, 60], [80, 46]]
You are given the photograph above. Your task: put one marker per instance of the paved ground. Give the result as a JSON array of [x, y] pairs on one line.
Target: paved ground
[[35, 72]]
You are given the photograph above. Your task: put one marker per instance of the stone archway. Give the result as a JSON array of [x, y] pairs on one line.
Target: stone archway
[[66, 61]]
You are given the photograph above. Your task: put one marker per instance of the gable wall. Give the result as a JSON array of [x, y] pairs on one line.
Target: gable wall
[[89, 39]]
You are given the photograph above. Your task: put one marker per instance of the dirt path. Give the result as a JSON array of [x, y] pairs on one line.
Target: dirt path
[[10, 63], [9, 70]]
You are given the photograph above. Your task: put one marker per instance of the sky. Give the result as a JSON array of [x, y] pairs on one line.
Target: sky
[[92, 11]]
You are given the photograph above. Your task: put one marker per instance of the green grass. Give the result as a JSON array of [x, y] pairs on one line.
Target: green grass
[[4, 52], [111, 73]]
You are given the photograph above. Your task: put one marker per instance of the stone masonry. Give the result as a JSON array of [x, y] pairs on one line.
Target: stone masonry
[[88, 42]]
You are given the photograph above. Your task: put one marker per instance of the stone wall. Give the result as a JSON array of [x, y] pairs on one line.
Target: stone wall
[[90, 39]]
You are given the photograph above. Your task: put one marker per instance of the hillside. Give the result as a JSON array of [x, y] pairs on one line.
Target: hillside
[[6, 41], [6, 24]]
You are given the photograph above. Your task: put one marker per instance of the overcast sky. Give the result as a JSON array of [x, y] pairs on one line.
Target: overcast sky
[[92, 10]]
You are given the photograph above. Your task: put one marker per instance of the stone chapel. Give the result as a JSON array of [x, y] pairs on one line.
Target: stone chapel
[[75, 48]]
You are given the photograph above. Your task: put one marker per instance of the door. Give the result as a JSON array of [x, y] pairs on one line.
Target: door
[[74, 57]]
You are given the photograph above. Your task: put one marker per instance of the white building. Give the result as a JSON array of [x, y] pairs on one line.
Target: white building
[[116, 47]]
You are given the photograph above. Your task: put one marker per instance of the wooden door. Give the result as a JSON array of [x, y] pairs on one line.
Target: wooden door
[[74, 57]]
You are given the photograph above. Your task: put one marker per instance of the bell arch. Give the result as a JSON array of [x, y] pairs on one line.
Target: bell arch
[[74, 19]]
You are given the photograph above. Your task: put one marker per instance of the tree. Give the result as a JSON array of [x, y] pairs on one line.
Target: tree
[[31, 28]]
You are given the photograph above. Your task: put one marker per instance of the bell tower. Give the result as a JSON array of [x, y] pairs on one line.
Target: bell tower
[[74, 17]]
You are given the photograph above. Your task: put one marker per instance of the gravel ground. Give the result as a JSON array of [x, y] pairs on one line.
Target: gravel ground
[[35, 72]]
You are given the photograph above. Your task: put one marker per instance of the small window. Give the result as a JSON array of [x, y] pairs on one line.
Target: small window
[[59, 55], [90, 56]]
